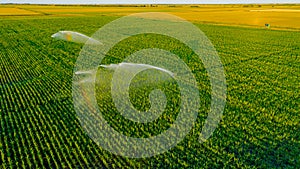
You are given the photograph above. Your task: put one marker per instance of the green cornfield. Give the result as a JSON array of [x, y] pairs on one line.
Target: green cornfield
[[40, 129]]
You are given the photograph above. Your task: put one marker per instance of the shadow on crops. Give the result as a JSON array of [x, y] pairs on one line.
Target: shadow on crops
[[268, 153]]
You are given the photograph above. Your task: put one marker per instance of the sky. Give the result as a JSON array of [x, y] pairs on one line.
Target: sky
[[148, 1]]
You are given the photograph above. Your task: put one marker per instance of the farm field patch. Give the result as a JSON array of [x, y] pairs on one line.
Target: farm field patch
[[278, 16], [260, 125], [15, 11]]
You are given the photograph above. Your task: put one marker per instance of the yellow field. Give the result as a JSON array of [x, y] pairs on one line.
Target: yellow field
[[15, 11], [287, 18], [278, 16]]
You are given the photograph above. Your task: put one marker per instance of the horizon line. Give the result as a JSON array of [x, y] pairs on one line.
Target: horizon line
[[287, 3]]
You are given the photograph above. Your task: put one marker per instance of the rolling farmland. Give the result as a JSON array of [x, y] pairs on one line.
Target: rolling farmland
[[40, 128]]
